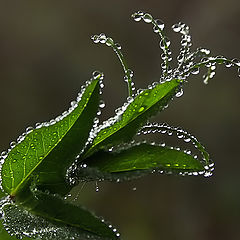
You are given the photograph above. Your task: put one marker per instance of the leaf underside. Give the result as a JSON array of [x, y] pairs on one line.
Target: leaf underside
[[49, 217], [46, 152]]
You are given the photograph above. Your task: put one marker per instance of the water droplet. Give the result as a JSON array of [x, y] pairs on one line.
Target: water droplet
[[109, 42], [228, 64], [137, 16], [141, 109], [12, 144], [101, 104], [236, 62], [118, 46], [96, 74], [29, 129], [160, 23], [176, 28], [195, 71], [205, 51], [179, 93], [95, 38], [102, 38], [147, 18], [4, 154], [134, 189]]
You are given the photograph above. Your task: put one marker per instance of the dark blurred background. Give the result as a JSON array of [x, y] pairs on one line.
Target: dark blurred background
[[46, 55]]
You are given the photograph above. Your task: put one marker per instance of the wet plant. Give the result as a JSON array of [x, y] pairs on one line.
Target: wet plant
[[39, 170]]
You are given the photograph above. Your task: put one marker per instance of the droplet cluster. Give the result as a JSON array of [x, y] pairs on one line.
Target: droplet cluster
[[187, 60], [21, 223], [128, 73], [164, 128]]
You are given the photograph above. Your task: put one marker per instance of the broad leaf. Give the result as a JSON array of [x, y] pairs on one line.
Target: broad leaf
[[125, 125], [139, 160], [21, 223], [57, 210], [48, 150]]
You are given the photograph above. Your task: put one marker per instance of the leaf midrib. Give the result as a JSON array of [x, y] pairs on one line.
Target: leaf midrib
[[124, 125], [13, 193]]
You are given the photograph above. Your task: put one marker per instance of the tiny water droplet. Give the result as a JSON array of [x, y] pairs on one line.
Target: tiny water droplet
[[109, 42], [101, 104], [29, 129], [96, 74], [179, 93], [137, 16], [134, 189], [12, 144], [160, 23], [102, 38], [118, 46], [95, 38], [236, 62], [176, 28], [147, 18], [195, 71]]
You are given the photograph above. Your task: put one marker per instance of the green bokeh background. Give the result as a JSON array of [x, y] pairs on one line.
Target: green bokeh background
[[46, 55]]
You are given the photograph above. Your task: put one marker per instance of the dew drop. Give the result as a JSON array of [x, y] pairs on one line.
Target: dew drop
[[118, 46], [176, 28], [236, 62], [228, 64], [101, 104], [4, 154], [29, 129], [109, 42], [134, 189], [96, 74], [12, 144], [95, 38], [137, 16], [195, 71], [206, 51], [102, 38], [147, 18], [160, 24], [179, 93]]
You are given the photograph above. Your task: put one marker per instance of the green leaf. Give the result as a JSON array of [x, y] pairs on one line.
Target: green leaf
[[50, 217], [124, 126], [137, 161], [47, 151]]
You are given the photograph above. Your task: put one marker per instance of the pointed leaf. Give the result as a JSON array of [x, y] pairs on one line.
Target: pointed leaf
[[124, 126], [137, 161], [47, 151]]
